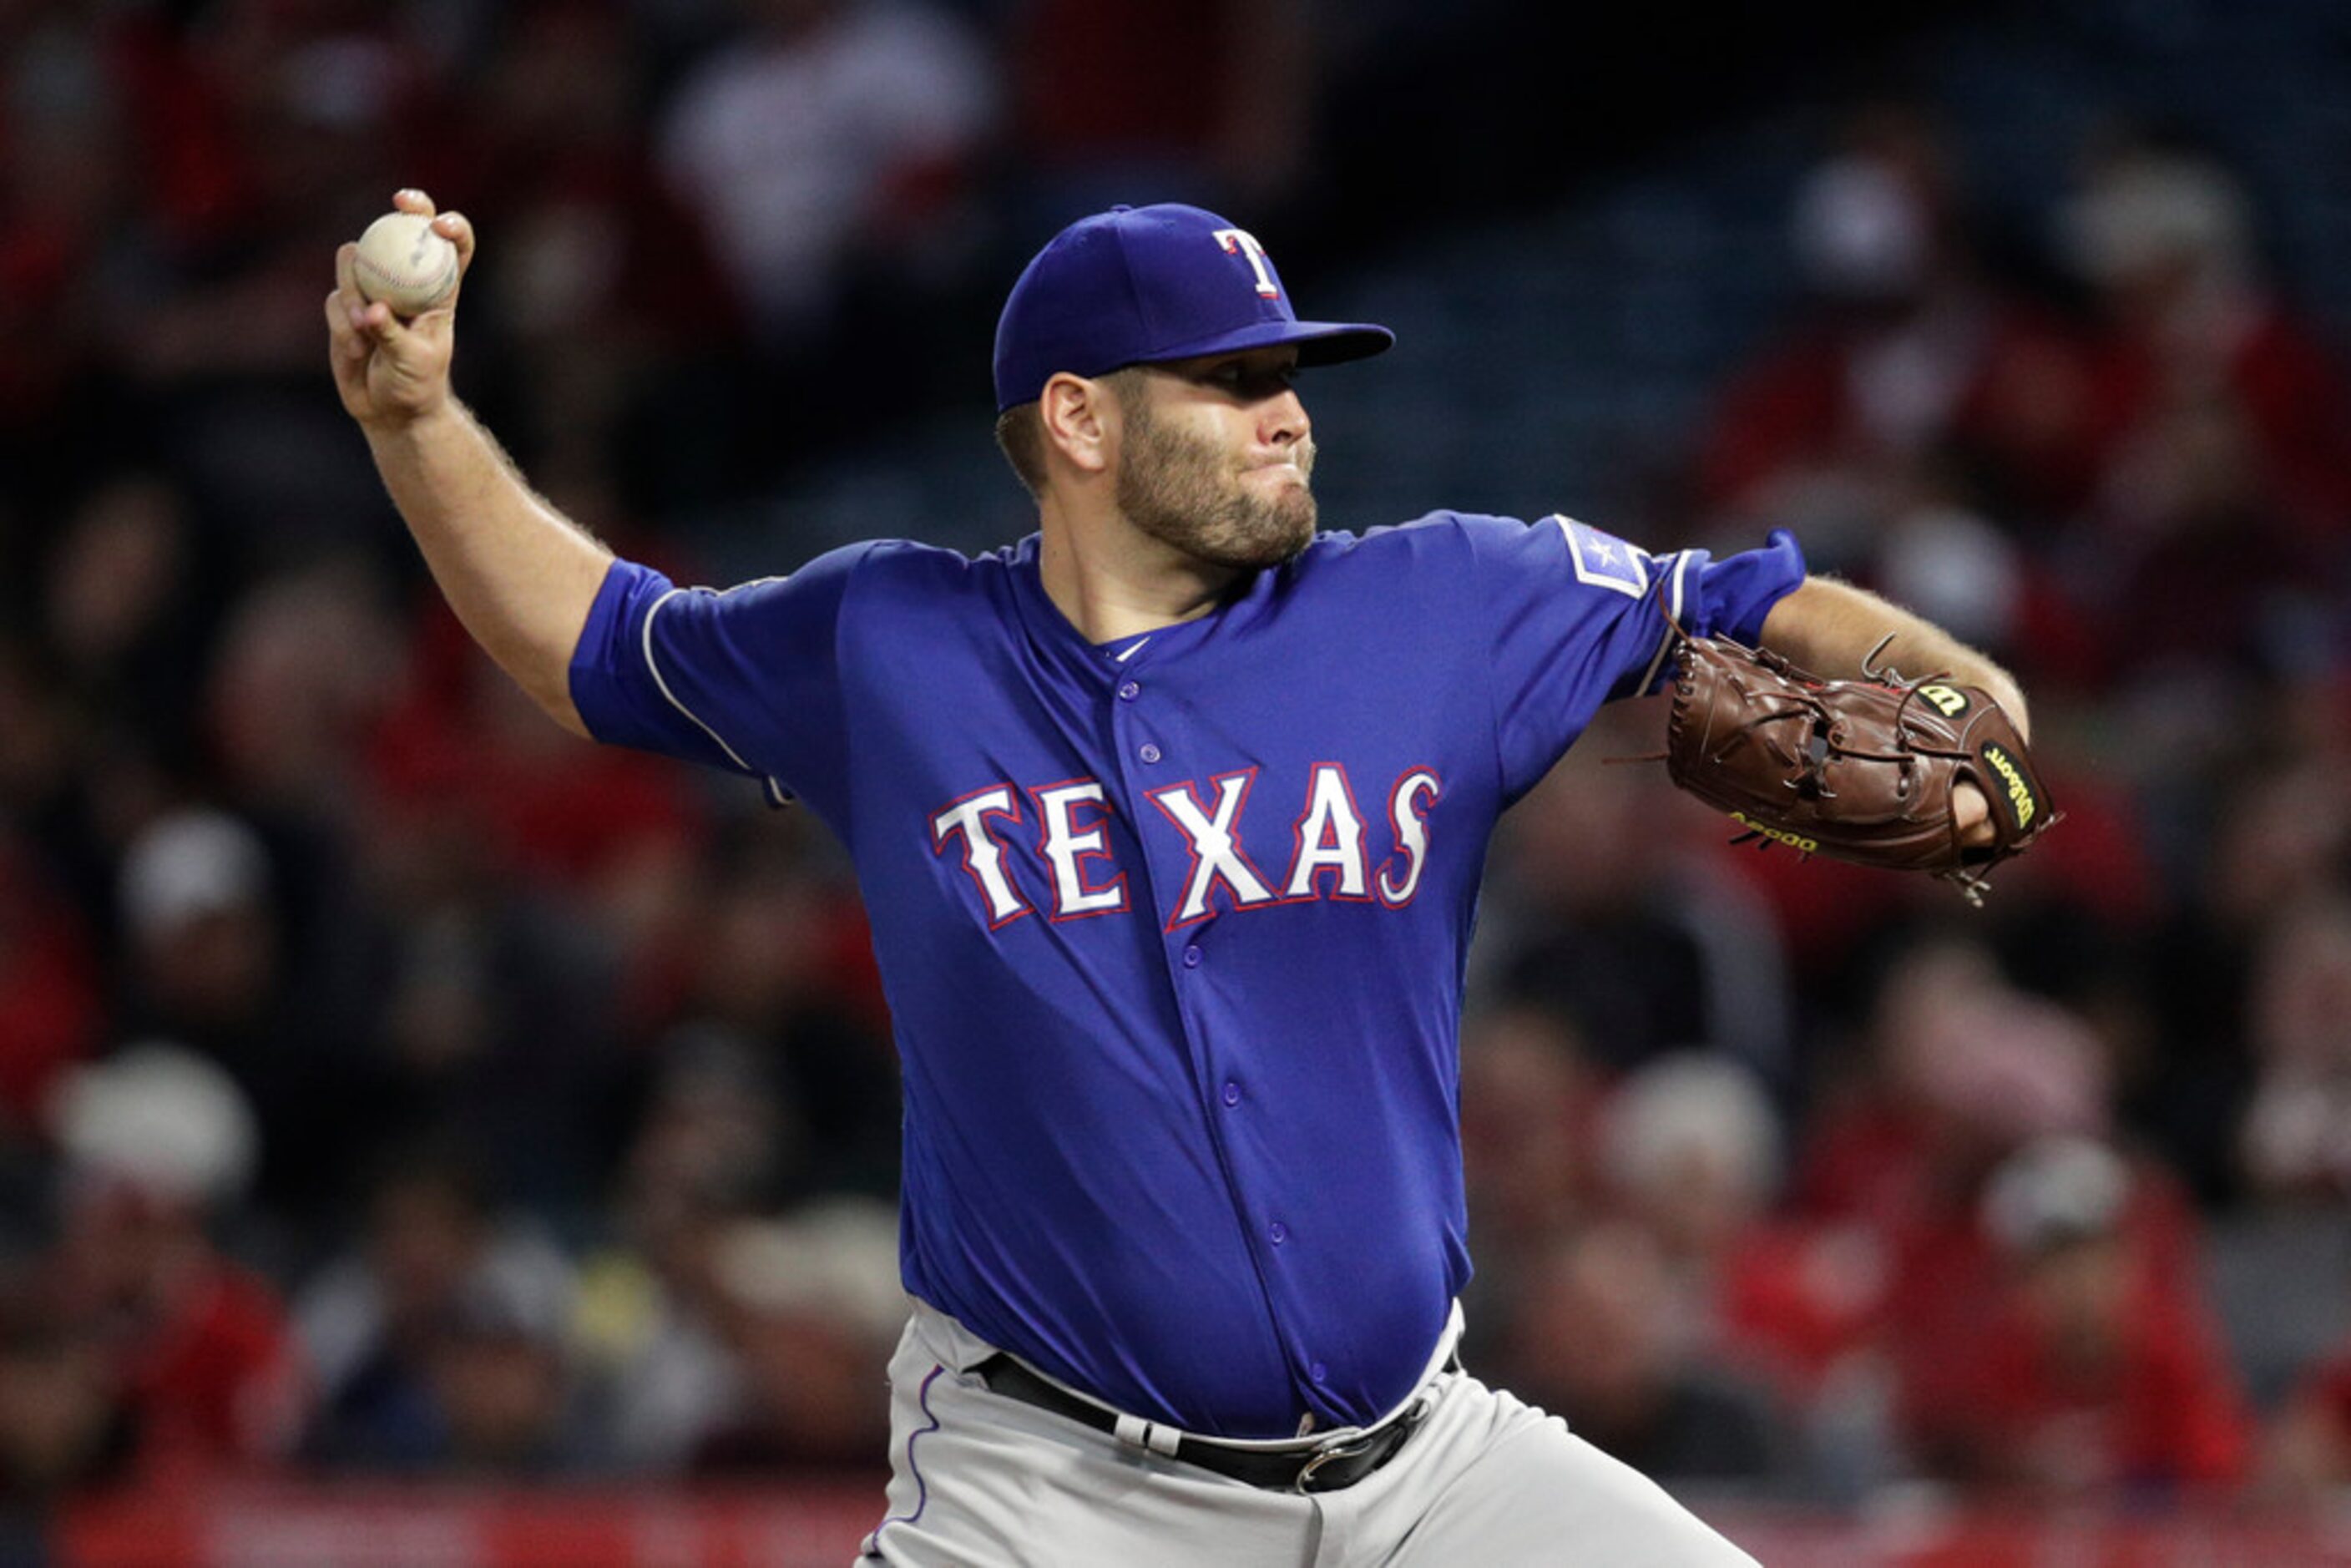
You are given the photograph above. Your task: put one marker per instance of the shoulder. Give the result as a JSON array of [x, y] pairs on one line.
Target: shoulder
[[882, 576], [1481, 550], [1399, 546], [908, 565], [881, 563], [1482, 541], [1419, 532], [867, 572]]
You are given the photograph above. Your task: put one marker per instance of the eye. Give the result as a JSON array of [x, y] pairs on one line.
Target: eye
[[1248, 381]]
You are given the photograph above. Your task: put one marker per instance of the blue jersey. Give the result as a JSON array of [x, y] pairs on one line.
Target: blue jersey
[[1173, 930]]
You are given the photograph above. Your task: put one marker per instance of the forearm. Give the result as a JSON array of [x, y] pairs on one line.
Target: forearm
[[519, 574], [1830, 627]]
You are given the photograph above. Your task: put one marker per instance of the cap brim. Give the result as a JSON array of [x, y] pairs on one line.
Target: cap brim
[[1318, 342]]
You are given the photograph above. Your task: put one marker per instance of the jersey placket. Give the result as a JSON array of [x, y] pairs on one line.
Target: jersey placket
[[1147, 743]]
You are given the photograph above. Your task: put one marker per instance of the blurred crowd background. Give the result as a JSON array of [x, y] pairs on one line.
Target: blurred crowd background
[[390, 1085]]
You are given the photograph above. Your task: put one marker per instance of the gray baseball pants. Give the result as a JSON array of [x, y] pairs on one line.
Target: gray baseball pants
[[981, 1480]]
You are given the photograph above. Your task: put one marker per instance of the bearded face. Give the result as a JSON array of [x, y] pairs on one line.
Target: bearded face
[[1188, 490]]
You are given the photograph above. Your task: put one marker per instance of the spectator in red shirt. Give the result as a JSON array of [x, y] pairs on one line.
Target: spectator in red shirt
[[1911, 365], [811, 1306], [157, 1141], [2199, 350], [2099, 1372]]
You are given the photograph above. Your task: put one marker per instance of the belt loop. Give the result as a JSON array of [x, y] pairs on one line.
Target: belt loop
[[1137, 1433]]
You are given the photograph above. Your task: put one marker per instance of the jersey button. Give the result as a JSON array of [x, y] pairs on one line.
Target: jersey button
[[1192, 956], [1319, 1373], [1279, 1232], [1232, 1092], [1129, 690], [1149, 752]]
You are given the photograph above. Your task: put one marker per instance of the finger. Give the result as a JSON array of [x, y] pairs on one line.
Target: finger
[[1972, 815], [344, 306], [344, 337], [368, 318], [375, 321], [413, 200], [371, 319], [458, 230]]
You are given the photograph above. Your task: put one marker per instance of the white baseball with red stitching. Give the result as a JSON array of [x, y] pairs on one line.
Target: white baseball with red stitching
[[405, 264]]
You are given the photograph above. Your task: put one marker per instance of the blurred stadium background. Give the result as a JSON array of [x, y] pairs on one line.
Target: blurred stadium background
[[426, 1139]]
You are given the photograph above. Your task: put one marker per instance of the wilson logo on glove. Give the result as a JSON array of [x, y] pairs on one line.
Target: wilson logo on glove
[[2019, 793], [1948, 701]]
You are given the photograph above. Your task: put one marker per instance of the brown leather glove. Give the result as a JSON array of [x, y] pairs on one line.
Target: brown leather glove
[[1857, 770]]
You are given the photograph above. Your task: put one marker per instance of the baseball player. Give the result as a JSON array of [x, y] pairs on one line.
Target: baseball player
[[1170, 819]]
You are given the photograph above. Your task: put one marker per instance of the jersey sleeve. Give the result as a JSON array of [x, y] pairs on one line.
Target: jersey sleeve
[[1578, 617], [746, 679]]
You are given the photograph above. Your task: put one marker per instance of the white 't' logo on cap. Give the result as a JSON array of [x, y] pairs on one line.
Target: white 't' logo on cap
[[1240, 242]]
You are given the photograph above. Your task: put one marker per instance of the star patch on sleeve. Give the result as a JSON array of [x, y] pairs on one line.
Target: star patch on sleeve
[[1602, 559]]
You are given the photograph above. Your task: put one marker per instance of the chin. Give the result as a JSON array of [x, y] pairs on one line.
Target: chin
[[1276, 538], [1290, 543], [1299, 516]]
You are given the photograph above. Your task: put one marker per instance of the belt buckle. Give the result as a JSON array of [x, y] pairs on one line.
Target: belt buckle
[[1353, 1450]]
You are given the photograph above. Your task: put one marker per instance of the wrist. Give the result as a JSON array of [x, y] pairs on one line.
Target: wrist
[[2004, 691], [412, 423]]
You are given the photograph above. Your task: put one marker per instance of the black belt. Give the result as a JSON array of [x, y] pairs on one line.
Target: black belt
[[1326, 1468]]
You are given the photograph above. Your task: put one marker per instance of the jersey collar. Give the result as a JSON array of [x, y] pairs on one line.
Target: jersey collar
[[1123, 655]]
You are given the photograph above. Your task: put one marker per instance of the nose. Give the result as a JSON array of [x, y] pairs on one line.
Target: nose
[[1285, 423]]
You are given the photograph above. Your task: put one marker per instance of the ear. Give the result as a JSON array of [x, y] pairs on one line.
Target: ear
[[1080, 421]]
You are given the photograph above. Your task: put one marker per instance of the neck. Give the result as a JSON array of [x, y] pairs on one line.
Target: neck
[[1109, 580]]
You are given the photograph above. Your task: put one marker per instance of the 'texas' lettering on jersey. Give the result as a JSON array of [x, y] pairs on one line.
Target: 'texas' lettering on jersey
[[1333, 845]]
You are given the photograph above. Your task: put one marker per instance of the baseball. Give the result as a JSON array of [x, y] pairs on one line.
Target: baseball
[[405, 264]]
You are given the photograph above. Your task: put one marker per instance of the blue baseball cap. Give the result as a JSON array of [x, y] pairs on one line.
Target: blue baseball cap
[[1140, 285]]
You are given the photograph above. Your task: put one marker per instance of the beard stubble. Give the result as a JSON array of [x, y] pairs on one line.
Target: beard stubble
[[1182, 490]]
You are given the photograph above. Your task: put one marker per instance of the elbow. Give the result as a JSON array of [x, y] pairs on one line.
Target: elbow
[[552, 696], [568, 717], [558, 707], [543, 670]]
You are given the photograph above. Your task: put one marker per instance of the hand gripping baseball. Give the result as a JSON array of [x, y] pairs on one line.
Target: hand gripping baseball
[[1867, 770], [390, 371]]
